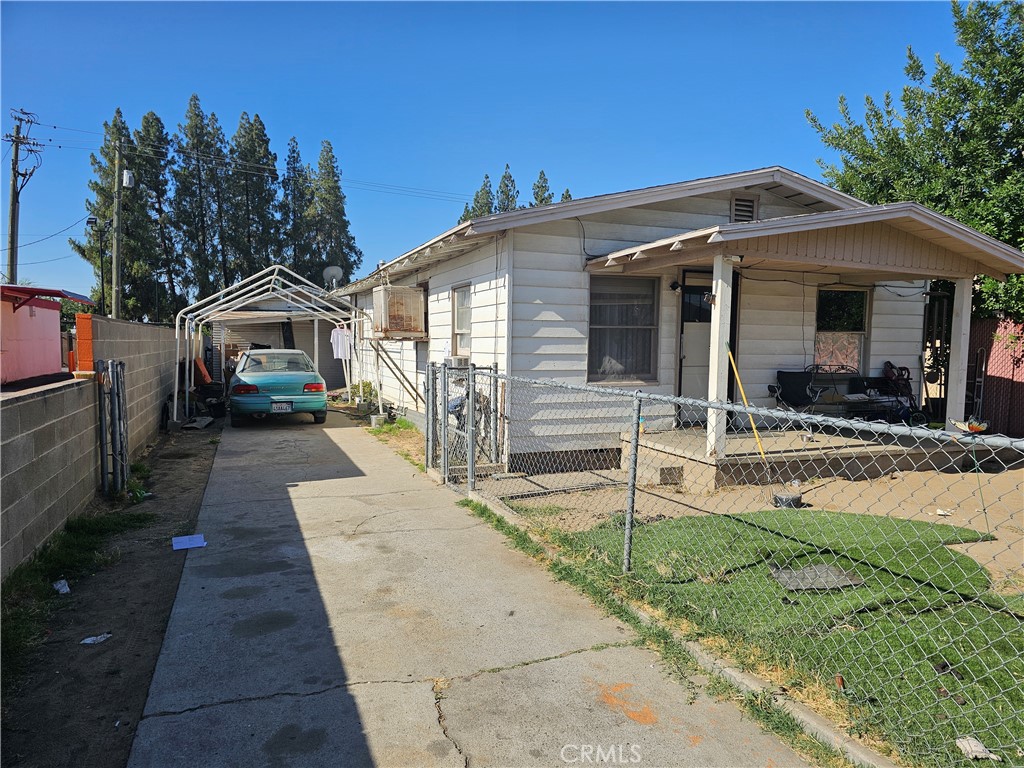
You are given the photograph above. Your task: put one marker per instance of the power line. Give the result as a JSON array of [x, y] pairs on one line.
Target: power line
[[260, 169], [24, 245]]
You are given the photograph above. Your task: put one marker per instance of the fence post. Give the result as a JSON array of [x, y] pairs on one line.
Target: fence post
[[443, 413], [115, 425], [471, 428], [494, 413], [429, 408], [100, 366], [634, 448]]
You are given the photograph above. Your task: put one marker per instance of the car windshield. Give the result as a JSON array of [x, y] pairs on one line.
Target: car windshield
[[263, 362]]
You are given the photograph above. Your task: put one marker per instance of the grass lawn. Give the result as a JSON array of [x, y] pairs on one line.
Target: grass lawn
[[920, 605]]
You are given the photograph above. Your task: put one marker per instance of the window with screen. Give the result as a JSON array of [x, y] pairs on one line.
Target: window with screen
[[462, 320], [623, 329]]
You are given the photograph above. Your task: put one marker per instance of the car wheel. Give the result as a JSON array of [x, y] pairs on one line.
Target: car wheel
[[236, 420], [320, 418]]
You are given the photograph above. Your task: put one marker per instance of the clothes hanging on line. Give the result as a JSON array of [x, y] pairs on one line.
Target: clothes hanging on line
[[340, 343]]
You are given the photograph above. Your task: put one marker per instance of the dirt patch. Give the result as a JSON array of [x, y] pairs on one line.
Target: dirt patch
[[78, 705]]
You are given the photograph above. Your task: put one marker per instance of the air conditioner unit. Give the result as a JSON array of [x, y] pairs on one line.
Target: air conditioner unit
[[457, 362], [399, 312]]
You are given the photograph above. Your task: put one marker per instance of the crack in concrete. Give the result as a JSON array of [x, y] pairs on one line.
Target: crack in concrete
[[410, 530], [440, 685], [592, 648], [281, 694]]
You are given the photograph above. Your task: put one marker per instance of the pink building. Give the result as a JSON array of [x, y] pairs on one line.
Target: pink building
[[30, 331]]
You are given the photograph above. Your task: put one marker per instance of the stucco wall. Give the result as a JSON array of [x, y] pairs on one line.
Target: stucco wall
[[49, 436], [29, 340]]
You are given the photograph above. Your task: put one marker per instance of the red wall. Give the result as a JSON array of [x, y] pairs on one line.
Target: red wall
[[1002, 399]]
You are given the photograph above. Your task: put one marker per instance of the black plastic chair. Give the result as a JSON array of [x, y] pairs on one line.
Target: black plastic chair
[[794, 391]]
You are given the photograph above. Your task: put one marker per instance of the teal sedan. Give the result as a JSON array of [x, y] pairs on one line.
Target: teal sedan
[[274, 381]]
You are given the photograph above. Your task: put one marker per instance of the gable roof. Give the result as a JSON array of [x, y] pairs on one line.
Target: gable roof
[[997, 258], [780, 181]]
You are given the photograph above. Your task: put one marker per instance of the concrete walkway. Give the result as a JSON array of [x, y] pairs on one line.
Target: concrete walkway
[[347, 613]]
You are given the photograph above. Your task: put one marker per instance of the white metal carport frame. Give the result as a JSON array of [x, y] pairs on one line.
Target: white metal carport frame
[[304, 299]]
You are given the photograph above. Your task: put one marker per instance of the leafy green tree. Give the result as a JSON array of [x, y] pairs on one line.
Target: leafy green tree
[[483, 202], [955, 143], [139, 249], [296, 216], [508, 195], [253, 241], [333, 243], [542, 194], [566, 196]]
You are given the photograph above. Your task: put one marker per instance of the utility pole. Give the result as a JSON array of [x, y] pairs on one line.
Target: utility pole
[[115, 257], [12, 225], [19, 179]]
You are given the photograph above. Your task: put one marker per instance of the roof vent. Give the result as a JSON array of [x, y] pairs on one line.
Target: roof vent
[[743, 209]]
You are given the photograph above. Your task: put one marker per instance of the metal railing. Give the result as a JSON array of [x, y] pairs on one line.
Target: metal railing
[[871, 564]]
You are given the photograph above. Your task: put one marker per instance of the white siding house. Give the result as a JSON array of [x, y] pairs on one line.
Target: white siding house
[[548, 289]]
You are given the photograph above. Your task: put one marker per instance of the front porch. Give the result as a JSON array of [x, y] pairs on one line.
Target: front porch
[[882, 249]]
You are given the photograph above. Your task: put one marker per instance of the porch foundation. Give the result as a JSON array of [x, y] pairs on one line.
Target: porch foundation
[[677, 458]]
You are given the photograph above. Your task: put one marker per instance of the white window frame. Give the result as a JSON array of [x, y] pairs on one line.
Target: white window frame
[[462, 335], [647, 377]]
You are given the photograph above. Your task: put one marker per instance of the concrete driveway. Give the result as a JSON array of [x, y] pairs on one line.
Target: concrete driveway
[[346, 612]]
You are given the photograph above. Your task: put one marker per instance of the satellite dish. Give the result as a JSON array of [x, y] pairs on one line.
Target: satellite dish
[[333, 276]]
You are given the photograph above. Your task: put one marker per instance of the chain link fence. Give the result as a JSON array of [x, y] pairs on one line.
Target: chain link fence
[[871, 566]]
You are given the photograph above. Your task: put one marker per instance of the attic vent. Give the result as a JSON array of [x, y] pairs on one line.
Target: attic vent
[[744, 209]]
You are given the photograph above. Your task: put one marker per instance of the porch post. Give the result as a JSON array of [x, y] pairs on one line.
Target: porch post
[[959, 341], [718, 360]]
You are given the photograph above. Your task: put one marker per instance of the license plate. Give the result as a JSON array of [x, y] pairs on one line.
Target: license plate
[[280, 407]]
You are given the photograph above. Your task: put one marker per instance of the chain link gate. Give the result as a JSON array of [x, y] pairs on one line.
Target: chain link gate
[[462, 410], [874, 566]]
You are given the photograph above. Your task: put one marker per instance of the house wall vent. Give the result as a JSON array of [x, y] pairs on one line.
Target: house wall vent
[[743, 209], [399, 312]]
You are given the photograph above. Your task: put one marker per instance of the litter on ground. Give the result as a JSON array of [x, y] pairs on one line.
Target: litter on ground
[[96, 639], [975, 750], [62, 587], [188, 542]]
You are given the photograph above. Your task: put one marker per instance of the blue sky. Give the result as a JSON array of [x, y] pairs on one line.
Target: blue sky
[[603, 96]]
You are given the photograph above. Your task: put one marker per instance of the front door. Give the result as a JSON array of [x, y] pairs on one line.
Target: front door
[[694, 346]]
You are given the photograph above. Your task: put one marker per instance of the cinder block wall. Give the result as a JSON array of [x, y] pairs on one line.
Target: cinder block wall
[[49, 440], [148, 354], [49, 437]]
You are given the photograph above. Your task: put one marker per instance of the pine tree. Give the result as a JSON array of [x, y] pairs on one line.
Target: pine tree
[[153, 165], [252, 228], [508, 195], [196, 207], [333, 243], [542, 194], [566, 196], [483, 202], [296, 216]]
